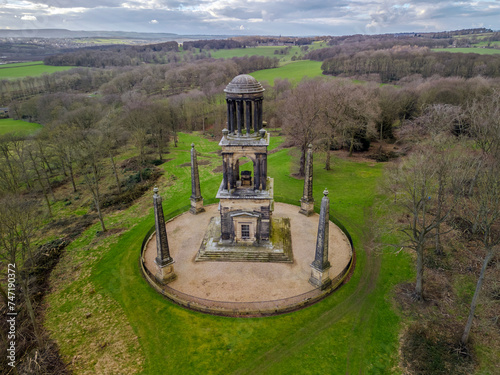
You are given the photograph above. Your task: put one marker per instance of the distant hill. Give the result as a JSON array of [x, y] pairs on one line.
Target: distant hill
[[63, 33]]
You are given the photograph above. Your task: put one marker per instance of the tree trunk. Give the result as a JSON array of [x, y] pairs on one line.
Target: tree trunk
[[42, 185], [468, 326], [351, 146], [420, 273], [31, 312], [115, 172], [302, 164], [327, 161], [72, 176], [97, 198]]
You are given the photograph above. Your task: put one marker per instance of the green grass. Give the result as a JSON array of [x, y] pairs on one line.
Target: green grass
[[355, 330], [264, 51], [294, 72], [17, 126], [480, 51], [31, 69]]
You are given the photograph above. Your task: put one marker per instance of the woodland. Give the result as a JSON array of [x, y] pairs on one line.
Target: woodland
[[432, 119]]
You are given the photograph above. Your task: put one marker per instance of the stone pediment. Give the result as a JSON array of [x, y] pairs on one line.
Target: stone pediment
[[246, 214]]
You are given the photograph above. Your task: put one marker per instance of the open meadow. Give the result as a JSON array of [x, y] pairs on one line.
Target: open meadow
[[478, 50], [29, 69], [18, 127]]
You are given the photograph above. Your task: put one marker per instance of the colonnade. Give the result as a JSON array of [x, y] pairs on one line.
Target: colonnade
[[244, 114]]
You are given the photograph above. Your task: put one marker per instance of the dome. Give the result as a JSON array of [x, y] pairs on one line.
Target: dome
[[244, 84]]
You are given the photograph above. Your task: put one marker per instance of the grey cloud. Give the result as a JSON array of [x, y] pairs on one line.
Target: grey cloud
[[79, 4]]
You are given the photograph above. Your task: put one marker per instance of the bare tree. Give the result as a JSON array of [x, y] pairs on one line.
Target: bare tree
[[19, 221], [301, 112], [418, 185], [89, 159], [484, 206]]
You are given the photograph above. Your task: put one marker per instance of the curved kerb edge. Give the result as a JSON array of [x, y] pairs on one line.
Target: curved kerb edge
[[245, 309]]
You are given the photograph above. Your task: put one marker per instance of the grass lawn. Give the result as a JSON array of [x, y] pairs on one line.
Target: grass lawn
[[480, 51], [17, 126], [294, 72], [32, 69], [355, 330]]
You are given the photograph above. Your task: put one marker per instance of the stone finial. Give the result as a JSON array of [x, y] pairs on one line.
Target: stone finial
[[196, 198], [320, 266], [165, 271], [225, 132], [262, 133], [307, 200]]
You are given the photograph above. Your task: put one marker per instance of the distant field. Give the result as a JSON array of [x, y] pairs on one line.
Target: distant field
[[264, 51], [17, 126], [293, 71], [480, 51], [494, 43], [32, 69]]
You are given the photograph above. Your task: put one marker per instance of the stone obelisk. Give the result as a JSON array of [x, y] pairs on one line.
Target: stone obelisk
[[165, 263], [320, 266], [196, 198], [307, 200]]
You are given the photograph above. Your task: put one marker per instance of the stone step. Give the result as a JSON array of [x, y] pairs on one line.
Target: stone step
[[232, 256]]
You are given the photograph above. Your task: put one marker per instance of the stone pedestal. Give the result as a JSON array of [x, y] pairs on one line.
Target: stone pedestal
[[196, 205], [165, 273], [320, 278], [306, 207]]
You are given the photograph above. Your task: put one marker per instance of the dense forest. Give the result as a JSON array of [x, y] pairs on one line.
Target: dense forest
[[443, 113]]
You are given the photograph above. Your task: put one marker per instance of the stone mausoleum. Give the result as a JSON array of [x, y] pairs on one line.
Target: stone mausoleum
[[247, 255], [245, 198]]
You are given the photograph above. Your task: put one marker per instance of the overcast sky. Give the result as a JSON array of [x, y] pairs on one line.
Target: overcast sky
[[251, 17]]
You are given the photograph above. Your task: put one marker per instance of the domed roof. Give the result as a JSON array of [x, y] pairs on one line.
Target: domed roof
[[244, 84]]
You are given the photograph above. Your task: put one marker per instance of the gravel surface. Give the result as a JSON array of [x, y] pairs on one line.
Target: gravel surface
[[246, 281]]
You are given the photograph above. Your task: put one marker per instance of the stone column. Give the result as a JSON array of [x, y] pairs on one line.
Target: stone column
[[230, 172], [263, 171], [196, 198], [229, 115], [239, 116], [256, 173], [249, 116], [233, 117], [307, 200], [165, 268], [256, 127], [320, 266], [225, 179]]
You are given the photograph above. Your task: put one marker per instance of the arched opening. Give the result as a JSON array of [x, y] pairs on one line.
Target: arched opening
[[244, 170]]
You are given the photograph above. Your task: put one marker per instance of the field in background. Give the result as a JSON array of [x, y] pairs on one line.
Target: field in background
[[478, 50], [31, 69], [294, 72], [268, 51], [17, 126]]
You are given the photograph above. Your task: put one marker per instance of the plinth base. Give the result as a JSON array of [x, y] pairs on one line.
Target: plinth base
[[196, 206], [320, 279], [165, 274], [306, 208]]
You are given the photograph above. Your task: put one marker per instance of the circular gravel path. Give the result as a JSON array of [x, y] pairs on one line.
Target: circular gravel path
[[245, 281]]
